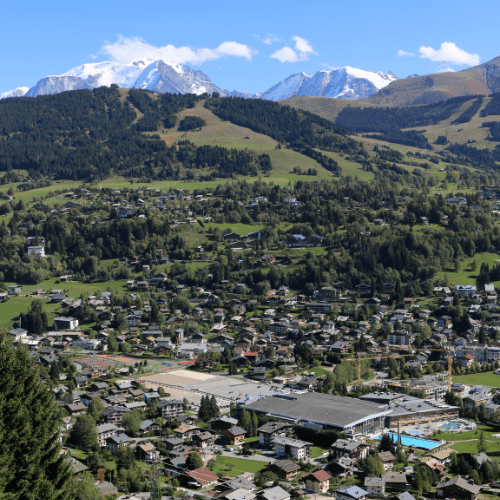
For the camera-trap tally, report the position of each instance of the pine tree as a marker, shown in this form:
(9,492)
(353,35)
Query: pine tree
(30,464)
(245,421)
(255,424)
(202,411)
(214,408)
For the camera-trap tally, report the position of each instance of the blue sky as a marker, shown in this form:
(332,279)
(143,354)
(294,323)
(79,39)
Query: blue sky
(247,46)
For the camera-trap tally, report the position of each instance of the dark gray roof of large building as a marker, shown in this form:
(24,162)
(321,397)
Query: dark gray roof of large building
(336,411)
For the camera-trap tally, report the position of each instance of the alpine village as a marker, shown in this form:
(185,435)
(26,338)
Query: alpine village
(227,298)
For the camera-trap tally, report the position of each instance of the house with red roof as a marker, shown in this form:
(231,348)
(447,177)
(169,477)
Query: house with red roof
(202,477)
(318,481)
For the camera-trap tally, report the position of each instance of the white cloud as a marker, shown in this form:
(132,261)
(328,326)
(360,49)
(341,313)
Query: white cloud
(301,53)
(403,53)
(126,50)
(269,39)
(303,45)
(449,53)
(286,54)
(327,66)
(445,70)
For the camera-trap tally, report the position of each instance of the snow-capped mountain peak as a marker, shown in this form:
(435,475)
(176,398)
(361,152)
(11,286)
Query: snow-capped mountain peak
(342,83)
(19,92)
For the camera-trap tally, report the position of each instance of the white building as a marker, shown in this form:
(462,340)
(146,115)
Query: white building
(37,251)
(297,449)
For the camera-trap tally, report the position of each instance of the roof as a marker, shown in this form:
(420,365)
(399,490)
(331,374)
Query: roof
(395,477)
(386,456)
(275,493)
(459,482)
(76,465)
(347,444)
(335,411)
(106,428)
(374,481)
(240,494)
(321,475)
(404,496)
(352,491)
(147,447)
(291,442)
(286,465)
(203,476)
(236,431)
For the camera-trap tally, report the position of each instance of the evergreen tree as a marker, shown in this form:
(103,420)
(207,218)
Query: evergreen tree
(30,464)
(255,424)
(194,461)
(214,408)
(84,432)
(95,408)
(203,413)
(481,444)
(245,421)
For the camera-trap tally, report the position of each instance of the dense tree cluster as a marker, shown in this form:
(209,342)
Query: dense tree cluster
(493,107)
(283,123)
(467,115)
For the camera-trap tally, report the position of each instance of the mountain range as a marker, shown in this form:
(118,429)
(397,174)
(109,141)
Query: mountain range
(159,76)
(345,83)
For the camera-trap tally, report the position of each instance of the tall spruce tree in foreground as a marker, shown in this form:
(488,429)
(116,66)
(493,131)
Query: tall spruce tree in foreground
(31,467)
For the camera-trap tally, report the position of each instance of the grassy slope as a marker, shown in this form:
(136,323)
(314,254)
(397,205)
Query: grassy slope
(486,378)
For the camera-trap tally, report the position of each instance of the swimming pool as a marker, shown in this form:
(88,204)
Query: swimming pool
(414,431)
(413,441)
(450,426)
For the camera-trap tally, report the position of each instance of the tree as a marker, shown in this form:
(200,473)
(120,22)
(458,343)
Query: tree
(85,489)
(387,444)
(481,444)
(84,432)
(374,467)
(30,464)
(95,408)
(131,422)
(194,461)
(214,408)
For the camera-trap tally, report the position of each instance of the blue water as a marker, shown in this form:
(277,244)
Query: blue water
(450,425)
(413,441)
(414,431)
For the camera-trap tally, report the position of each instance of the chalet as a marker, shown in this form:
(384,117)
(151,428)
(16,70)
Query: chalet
(271,430)
(222,423)
(268,259)
(146,451)
(375,486)
(351,448)
(203,439)
(318,481)
(351,493)
(113,443)
(149,426)
(202,478)
(284,469)
(170,408)
(387,459)
(105,431)
(186,431)
(395,480)
(235,435)
(295,448)
(458,487)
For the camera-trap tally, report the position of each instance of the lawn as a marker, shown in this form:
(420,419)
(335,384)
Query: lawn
(11,309)
(485,378)
(235,466)
(466,276)
(316,451)
(471,447)
(487,430)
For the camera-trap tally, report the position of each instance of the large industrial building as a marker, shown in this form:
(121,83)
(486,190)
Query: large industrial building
(313,409)
(350,415)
